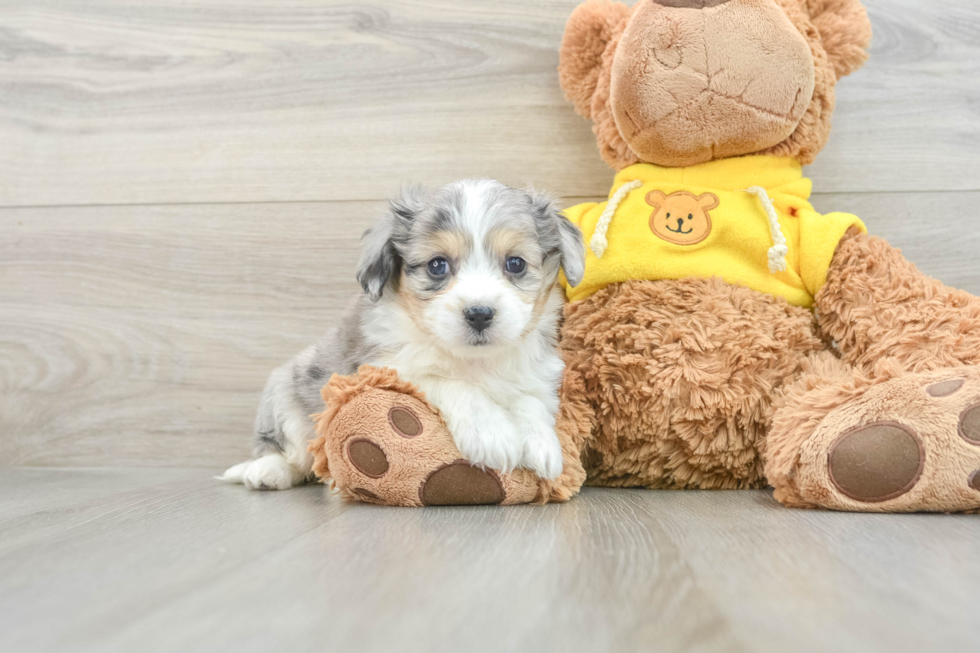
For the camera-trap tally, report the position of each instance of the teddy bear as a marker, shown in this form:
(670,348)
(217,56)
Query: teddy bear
(725,334)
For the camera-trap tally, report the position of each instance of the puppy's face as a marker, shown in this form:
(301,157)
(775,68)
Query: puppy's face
(472,264)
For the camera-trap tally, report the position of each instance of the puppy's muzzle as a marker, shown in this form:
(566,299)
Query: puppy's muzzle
(479,317)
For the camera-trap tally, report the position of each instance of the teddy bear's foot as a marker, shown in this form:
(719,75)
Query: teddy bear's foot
(381,442)
(909,444)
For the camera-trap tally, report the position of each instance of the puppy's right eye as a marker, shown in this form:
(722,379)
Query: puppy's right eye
(438,267)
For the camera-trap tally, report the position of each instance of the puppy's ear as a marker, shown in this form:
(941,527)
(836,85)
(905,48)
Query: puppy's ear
(590,29)
(572,251)
(559,236)
(380,257)
(845,31)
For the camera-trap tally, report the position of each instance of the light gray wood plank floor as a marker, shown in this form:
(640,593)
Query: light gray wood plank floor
(182,188)
(169,560)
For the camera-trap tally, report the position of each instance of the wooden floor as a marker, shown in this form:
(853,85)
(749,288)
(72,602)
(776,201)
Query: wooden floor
(182,188)
(167,560)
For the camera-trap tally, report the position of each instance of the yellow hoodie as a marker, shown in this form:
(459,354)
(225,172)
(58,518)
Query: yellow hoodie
(747,220)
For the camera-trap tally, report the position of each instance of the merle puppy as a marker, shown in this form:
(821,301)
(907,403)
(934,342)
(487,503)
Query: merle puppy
(461,298)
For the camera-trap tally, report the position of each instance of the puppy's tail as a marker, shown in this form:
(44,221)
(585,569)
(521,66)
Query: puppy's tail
(234,475)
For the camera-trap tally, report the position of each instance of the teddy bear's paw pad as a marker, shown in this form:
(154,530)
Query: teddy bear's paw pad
(970,425)
(366,495)
(367,457)
(404,422)
(461,484)
(974,481)
(877,462)
(945,388)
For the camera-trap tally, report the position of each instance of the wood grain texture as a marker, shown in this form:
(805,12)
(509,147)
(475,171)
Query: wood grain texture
(163,101)
(158,560)
(134,333)
(210,167)
(143,335)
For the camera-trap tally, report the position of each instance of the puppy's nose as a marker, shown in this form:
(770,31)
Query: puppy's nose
(690,4)
(479,317)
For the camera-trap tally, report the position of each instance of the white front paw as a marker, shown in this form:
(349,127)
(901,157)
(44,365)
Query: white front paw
(270,472)
(542,452)
(488,439)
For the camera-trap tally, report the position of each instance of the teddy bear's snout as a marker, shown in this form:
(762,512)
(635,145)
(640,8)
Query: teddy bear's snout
(732,78)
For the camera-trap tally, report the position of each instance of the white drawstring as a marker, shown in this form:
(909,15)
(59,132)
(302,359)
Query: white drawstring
(599,243)
(779,250)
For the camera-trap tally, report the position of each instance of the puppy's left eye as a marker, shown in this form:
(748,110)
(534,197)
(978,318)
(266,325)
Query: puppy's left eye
(516,265)
(438,267)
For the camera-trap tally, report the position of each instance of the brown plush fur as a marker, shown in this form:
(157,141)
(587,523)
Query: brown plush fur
(691,86)
(837,32)
(682,375)
(701,384)
(696,383)
(593,25)
(845,32)
(834,407)
(588,47)
(880,308)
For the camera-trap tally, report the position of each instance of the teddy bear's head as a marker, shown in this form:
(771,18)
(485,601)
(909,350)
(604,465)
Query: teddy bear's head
(681,82)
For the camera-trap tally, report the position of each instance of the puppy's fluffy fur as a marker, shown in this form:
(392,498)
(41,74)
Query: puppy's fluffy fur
(460,297)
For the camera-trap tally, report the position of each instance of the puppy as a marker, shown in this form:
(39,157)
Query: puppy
(461,298)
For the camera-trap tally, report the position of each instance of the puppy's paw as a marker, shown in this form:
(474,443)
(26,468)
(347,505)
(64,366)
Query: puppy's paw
(487,438)
(542,452)
(270,472)
(236,474)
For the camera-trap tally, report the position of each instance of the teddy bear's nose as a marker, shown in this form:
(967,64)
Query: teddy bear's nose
(690,4)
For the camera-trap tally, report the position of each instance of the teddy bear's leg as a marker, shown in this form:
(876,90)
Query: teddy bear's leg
(381,442)
(894,425)
(881,310)
(903,443)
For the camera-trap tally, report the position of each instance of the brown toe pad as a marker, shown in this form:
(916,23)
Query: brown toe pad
(877,462)
(366,494)
(461,484)
(975,480)
(368,458)
(404,422)
(970,425)
(945,388)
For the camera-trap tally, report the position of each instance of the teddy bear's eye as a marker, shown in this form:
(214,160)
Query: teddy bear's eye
(668,216)
(690,216)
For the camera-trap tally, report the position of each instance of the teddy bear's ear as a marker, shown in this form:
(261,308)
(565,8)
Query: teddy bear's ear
(709,201)
(845,31)
(592,26)
(656,199)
